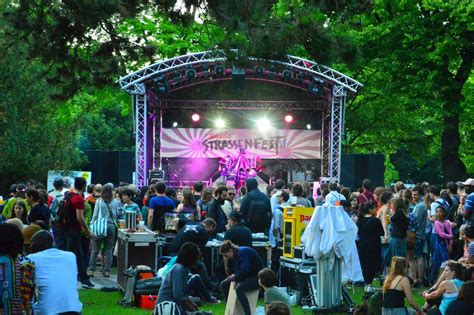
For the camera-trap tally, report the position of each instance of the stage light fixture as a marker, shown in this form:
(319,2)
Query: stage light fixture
(259,71)
(264,124)
(175,124)
(190,73)
(289,118)
(160,85)
(219,69)
(287,75)
(308,126)
(195,117)
(220,123)
(317,86)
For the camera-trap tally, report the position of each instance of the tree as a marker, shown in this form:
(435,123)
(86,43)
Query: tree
(425,50)
(33,139)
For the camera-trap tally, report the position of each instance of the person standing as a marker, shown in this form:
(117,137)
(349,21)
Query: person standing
(70,226)
(56,194)
(55,277)
(298,198)
(157,207)
(256,208)
(197,190)
(469,201)
(279,186)
(334,198)
(399,220)
(366,195)
(421,213)
(39,211)
(108,208)
(214,209)
(369,246)
(189,206)
(444,235)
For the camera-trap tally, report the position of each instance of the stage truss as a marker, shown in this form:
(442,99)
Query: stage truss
(150,111)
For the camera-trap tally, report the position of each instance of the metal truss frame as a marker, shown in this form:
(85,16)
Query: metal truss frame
(333,116)
(140,105)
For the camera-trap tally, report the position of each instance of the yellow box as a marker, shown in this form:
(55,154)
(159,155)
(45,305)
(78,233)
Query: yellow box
(295,220)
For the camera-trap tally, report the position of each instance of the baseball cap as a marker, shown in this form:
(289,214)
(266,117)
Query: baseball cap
(469,182)
(235,215)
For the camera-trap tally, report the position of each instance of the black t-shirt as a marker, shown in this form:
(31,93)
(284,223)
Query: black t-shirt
(458,307)
(240,235)
(39,212)
(400,224)
(193,232)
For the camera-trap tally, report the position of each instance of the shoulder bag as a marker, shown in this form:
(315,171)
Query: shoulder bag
(99,226)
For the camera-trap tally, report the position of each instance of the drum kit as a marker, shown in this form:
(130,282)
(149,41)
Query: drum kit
(238,168)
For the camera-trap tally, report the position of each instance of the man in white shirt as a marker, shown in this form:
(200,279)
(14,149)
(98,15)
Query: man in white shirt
(55,277)
(334,198)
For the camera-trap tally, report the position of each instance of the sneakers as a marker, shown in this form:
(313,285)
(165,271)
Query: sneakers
(213,300)
(87,284)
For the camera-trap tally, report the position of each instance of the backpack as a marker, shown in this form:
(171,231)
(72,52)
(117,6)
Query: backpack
(375,302)
(55,204)
(258,215)
(64,215)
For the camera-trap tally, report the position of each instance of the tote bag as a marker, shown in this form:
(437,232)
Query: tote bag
(99,226)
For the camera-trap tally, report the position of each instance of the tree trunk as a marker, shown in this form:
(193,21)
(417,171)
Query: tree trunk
(452,165)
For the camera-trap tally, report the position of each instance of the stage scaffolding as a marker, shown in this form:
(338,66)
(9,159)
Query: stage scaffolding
(148,106)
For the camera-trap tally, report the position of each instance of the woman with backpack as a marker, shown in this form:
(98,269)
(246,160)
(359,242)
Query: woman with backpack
(443,230)
(105,207)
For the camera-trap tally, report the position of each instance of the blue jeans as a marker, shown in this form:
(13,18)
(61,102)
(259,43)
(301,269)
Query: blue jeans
(196,287)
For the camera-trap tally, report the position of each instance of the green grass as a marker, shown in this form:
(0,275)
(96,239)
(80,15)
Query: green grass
(103,303)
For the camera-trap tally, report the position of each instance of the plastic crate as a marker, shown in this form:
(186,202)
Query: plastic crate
(146,302)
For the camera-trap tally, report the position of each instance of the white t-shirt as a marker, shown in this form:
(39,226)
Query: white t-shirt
(56,282)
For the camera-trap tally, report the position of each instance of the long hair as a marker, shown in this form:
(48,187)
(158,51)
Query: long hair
(22,204)
(107,193)
(188,199)
(398,204)
(397,268)
(207,195)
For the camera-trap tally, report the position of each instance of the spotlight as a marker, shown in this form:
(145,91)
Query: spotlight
(190,73)
(317,86)
(289,118)
(308,126)
(259,71)
(175,124)
(263,124)
(160,85)
(287,75)
(220,123)
(219,69)
(195,117)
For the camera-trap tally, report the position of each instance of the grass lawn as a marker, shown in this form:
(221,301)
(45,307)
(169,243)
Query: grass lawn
(103,303)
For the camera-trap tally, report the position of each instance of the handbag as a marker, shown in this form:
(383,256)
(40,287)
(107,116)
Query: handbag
(99,226)
(148,286)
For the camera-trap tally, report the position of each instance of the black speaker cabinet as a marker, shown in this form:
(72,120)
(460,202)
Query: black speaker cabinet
(357,167)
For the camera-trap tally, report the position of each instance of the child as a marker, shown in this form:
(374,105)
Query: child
(268,280)
(443,230)
(129,205)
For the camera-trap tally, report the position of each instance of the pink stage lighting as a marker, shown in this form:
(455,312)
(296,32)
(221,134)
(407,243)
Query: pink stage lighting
(289,118)
(195,117)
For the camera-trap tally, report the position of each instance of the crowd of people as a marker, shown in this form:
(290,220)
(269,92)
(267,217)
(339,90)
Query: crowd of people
(408,237)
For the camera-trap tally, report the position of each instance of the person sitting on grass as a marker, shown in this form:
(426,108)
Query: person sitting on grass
(447,289)
(464,304)
(396,287)
(278,308)
(179,283)
(268,280)
(246,265)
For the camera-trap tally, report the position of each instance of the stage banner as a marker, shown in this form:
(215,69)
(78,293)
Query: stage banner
(214,143)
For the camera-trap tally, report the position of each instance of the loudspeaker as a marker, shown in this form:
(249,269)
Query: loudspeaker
(110,166)
(357,167)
